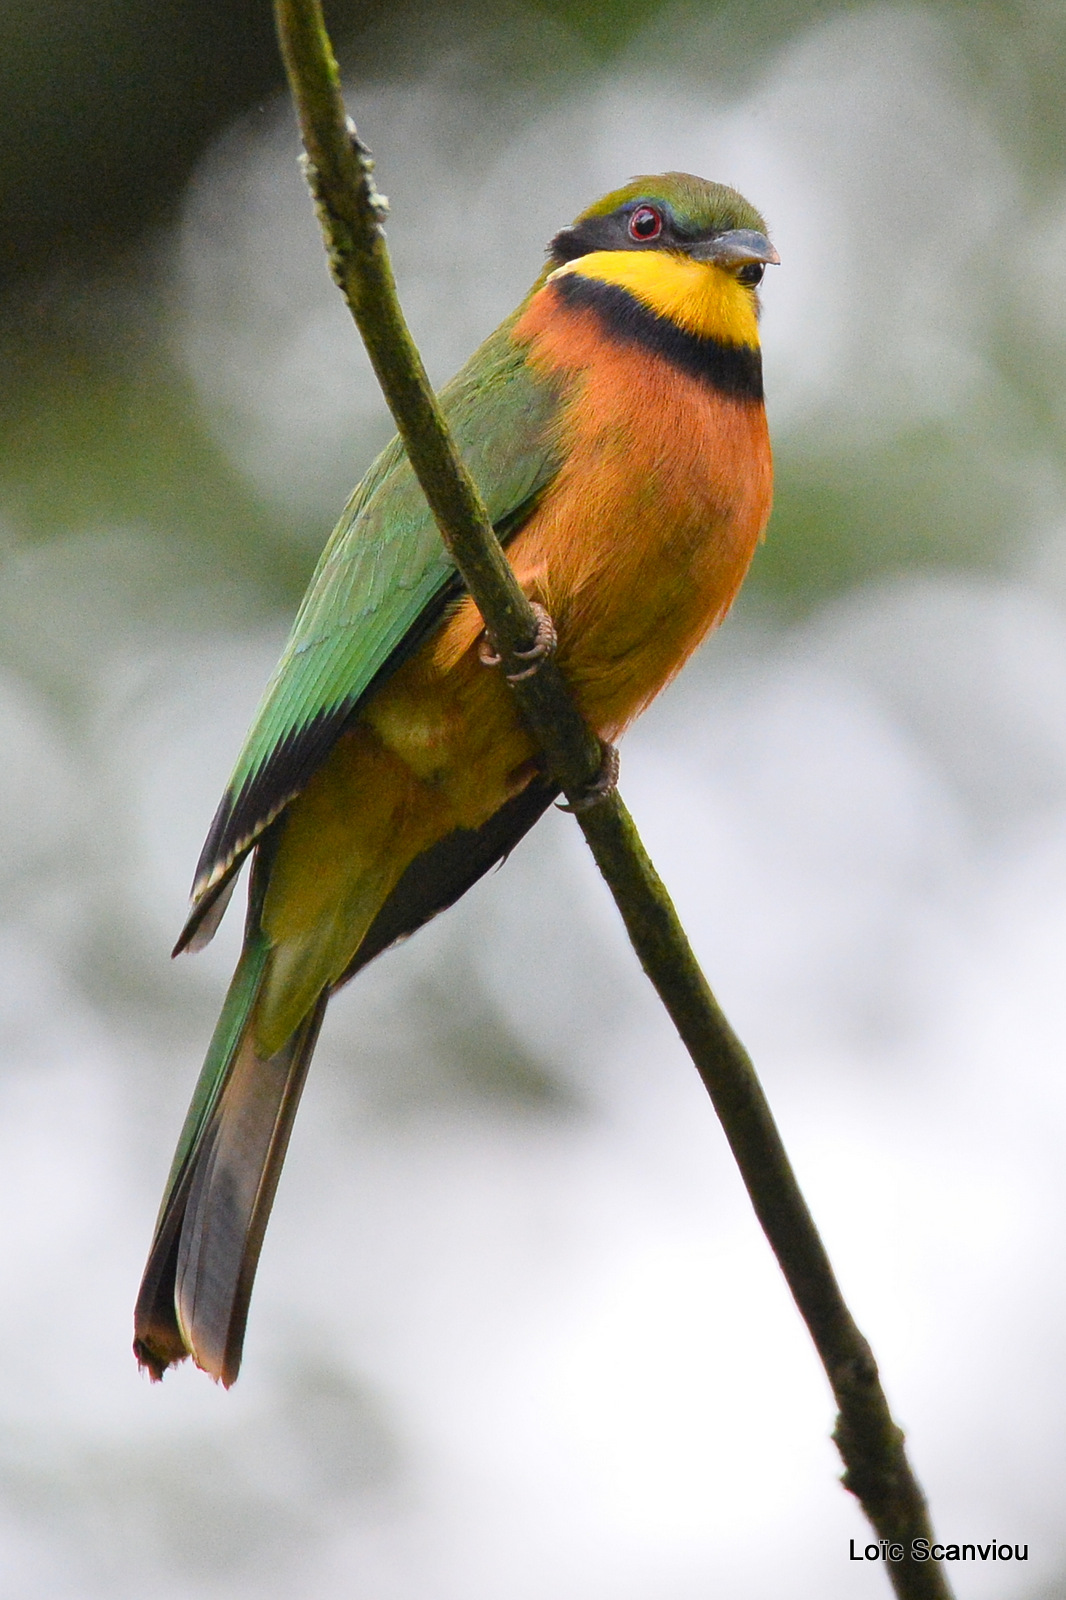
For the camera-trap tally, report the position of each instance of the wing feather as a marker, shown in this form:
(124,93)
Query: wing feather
(383,582)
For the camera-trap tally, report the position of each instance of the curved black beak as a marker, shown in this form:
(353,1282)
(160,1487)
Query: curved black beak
(735,248)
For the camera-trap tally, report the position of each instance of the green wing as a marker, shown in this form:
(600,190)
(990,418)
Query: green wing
(382,583)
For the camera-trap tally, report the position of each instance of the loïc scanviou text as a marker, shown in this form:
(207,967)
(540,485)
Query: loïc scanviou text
(926,1550)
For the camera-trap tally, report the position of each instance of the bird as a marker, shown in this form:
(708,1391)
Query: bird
(615,425)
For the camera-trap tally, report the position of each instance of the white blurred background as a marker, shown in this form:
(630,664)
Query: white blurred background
(515,1331)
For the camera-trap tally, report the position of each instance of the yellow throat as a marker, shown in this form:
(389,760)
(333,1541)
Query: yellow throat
(698,296)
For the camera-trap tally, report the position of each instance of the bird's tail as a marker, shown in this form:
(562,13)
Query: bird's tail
(195,1290)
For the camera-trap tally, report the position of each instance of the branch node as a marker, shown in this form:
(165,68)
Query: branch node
(377,203)
(336,235)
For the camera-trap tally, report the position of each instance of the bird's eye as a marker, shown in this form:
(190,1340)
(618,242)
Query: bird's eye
(751,273)
(645,224)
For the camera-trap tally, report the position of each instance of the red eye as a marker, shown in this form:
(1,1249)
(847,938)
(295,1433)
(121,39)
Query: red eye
(645,224)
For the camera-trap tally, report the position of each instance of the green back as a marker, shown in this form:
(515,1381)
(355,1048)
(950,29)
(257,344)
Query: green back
(381,571)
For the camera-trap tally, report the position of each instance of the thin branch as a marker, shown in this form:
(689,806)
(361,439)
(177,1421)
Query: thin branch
(351,214)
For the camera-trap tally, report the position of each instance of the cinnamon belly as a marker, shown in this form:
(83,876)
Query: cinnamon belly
(636,550)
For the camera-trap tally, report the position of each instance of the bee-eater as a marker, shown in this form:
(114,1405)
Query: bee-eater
(615,426)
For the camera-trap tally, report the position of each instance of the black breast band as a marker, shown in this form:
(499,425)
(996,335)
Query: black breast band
(733,369)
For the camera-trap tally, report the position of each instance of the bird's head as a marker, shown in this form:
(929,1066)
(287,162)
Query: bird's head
(692,251)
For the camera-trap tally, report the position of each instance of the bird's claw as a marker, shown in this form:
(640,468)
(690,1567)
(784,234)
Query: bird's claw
(603,784)
(544,642)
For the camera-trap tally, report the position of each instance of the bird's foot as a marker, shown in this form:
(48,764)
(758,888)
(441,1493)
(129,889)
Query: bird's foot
(603,784)
(544,642)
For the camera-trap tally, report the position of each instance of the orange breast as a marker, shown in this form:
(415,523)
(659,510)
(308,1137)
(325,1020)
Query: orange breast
(642,541)
(636,550)
(654,518)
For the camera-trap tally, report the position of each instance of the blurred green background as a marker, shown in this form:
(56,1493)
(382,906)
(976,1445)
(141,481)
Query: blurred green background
(105,112)
(515,1331)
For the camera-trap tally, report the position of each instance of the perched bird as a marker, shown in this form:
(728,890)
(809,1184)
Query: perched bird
(615,426)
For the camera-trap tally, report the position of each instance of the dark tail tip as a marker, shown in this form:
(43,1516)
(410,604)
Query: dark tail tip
(153,1361)
(157,1337)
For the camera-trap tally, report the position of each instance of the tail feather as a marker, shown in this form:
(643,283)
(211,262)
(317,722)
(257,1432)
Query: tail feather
(194,1294)
(158,1341)
(158,1337)
(230,1195)
(196,1287)
(198,1281)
